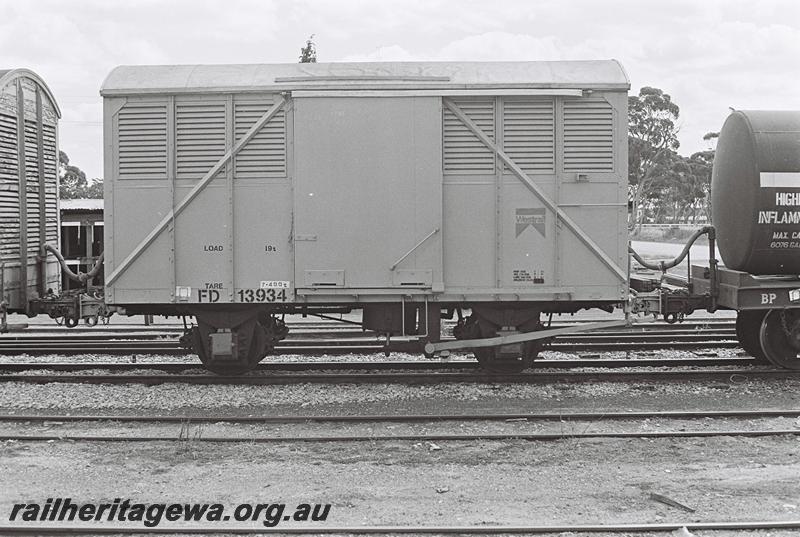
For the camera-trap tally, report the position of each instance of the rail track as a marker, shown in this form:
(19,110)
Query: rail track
(423,377)
(506,427)
(405,418)
(516,425)
(384,365)
(331,339)
(351,326)
(728,370)
(422,437)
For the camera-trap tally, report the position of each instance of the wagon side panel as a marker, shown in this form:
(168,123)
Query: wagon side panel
(535,198)
(138,193)
(594,194)
(198,208)
(368,201)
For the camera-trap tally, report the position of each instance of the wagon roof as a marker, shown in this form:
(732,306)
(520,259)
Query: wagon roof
(9,75)
(595,74)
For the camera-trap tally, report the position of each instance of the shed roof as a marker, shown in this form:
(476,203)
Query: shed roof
(595,74)
(81,204)
(7,76)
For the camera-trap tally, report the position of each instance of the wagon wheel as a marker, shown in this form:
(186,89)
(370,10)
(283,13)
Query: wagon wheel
(780,338)
(249,336)
(748,329)
(489,362)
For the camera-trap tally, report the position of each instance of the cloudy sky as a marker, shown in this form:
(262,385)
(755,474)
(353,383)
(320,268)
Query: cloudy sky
(708,54)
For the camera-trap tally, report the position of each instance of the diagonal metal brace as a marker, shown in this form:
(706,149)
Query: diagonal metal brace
(204,181)
(533,187)
(431,348)
(408,253)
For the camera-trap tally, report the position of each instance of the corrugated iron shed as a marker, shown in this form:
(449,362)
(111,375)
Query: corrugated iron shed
(82,204)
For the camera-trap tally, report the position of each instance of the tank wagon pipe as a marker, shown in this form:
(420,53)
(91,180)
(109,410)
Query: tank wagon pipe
(71,306)
(80,277)
(663,266)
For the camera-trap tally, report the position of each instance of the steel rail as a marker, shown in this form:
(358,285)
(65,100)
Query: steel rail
(117,529)
(360,346)
(378,418)
(423,437)
(542,377)
(355,350)
(662,341)
(337,326)
(358,334)
(613,363)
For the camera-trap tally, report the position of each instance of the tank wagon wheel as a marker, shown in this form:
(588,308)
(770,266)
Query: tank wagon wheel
(780,338)
(70,322)
(748,330)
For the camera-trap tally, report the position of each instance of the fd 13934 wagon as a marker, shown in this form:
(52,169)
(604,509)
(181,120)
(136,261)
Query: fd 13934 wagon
(493,193)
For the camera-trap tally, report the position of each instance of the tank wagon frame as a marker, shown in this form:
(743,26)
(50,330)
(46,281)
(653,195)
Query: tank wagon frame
(768,307)
(411,190)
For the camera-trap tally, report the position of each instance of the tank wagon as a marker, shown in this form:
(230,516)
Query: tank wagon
(28,190)
(755,190)
(409,191)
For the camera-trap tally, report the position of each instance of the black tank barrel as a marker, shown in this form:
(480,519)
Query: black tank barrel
(755,192)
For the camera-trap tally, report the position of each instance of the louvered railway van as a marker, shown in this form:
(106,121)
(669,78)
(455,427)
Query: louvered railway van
(28,190)
(409,191)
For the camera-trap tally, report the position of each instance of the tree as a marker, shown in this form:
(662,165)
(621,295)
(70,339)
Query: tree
(73,182)
(702,164)
(308,53)
(709,136)
(652,142)
(666,183)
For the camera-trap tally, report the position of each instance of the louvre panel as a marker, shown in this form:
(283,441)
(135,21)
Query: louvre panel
(9,218)
(9,186)
(199,137)
(51,186)
(528,134)
(8,148)
(142,141)
(31,153)
(588,136)
(464,153)
(50,157)
(265,153)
